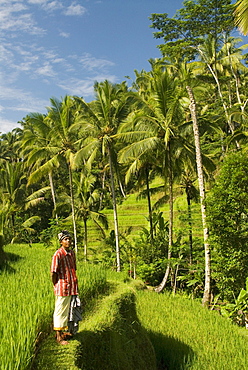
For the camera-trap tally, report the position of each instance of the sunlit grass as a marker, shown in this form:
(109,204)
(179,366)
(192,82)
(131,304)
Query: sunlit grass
(133,212)
(187,336)
(27,301)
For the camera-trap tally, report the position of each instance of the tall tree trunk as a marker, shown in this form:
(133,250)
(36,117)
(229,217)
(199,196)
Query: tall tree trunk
(118,262)
(103,187)
(175,279)
(53,194)
(2,253)
(190,229)
(242,106)
(85,240)
(162,285)
(73,209)
(149,203)
(134,269)
(2,223)
(229,122)
(206,295)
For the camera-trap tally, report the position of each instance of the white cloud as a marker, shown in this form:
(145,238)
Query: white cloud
(103,77)
(7,125)
(78,87)
(90,63)
(21,101)
(53,5)
(75,9)
(5,54)
(37,2)
(84,87)
(64,34)
(46,70)
(14,18)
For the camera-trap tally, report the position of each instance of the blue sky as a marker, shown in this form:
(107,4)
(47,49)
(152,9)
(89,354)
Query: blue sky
(50,48)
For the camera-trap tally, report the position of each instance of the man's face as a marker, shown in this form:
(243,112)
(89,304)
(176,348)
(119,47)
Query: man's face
(66,242)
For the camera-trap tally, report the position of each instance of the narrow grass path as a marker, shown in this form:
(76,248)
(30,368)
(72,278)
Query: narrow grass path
(63,357)
(110,337)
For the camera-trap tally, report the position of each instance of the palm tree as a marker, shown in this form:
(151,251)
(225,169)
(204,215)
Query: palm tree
(223,59)
(64,120)
(187,184)
(13,180)
(36,138)
(241,15)
(154,128)
(10,147)
(187,80)
(207,291)
(102,118)
(87,203)
(144,168)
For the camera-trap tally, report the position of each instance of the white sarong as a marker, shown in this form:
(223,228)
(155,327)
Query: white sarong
(61,311)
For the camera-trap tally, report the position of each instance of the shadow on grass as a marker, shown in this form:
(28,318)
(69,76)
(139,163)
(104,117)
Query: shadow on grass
(114,349)
(6,258)
(102,351)
(171,353)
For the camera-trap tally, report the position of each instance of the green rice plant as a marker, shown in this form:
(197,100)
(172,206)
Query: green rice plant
(27,301)
(92,280)
(187,336)
(26,298)
(112,338)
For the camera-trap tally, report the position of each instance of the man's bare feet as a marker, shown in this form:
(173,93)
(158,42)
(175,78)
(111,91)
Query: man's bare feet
(60,338)
(67,335)
(62,342)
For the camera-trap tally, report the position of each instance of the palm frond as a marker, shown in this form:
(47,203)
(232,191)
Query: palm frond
(43,170)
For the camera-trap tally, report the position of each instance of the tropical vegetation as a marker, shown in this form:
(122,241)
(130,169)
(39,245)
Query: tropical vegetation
(124,325)
(177,135)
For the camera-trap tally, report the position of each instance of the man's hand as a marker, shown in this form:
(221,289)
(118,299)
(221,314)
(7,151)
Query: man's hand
(54,278)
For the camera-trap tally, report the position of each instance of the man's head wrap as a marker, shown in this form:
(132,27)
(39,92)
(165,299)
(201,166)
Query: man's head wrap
(64,234)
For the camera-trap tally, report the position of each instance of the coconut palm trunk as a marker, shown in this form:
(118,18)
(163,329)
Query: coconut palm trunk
(2,254)
(162,285)
(206,295)
(85,240)
(149,203)
(117,246)
(73,209)
(53,194)
(190,229)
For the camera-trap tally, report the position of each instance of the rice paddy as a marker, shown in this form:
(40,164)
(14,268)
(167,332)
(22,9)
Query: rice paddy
(27,301)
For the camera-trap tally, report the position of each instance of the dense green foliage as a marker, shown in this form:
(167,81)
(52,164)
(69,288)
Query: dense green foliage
(183,33)
(228,212)
(77,166)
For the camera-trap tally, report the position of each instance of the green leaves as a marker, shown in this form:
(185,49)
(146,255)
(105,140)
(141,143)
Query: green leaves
(241,14)
(184,32)
(228,214)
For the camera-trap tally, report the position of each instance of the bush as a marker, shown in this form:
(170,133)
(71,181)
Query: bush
(227,216)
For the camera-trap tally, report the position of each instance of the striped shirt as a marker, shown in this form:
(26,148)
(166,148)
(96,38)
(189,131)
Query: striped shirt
(64,265)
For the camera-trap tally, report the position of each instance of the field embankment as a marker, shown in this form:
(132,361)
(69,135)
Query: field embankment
(110,337)
(122,328)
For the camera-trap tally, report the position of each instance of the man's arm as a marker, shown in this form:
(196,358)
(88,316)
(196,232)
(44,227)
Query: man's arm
(54,276)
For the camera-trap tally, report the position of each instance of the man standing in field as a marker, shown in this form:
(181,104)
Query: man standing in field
(64,278)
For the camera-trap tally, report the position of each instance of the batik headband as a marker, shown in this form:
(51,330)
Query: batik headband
(63,234)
